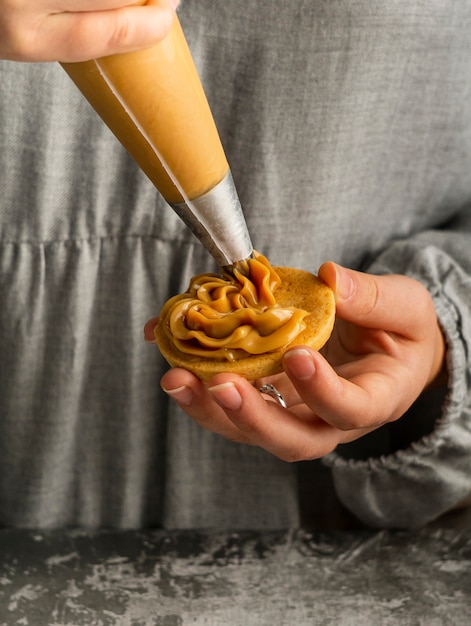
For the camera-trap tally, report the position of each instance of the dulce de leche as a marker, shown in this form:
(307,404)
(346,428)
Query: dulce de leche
(154,103)
(228,317)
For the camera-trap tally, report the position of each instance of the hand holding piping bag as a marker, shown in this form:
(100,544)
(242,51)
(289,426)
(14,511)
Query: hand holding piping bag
(78,30)
(123,56)
(153,101)
(386,348)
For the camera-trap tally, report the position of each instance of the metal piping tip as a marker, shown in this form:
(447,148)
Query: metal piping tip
(217,220)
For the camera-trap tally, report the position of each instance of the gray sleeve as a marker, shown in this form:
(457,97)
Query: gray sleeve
(411,486)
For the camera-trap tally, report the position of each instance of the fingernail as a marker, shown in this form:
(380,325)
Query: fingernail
(227,395)
(183,395)
(299,364)
(343,283)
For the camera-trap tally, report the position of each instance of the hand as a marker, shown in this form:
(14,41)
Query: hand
(78,30)
(386,347)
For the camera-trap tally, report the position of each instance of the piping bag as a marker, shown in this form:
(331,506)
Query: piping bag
(154,103)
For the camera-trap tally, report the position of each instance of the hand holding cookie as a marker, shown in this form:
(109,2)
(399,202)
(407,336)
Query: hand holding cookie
(386,347)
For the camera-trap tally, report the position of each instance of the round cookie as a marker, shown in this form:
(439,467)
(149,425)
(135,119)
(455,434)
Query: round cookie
(298,289)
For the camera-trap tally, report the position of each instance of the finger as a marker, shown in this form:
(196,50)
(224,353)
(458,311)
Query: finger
(149,329)
(192,396)
(81,6)
(83,35)
(366,396)
(89,35)
(266,424)
(392,303)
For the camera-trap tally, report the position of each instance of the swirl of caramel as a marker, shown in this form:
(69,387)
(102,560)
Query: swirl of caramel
(232,316)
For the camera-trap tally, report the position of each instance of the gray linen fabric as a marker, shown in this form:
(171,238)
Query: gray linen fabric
(348,128)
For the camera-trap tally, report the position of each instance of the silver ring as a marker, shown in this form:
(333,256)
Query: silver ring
(272,391)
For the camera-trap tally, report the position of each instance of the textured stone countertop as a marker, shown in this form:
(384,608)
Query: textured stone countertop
(293,578)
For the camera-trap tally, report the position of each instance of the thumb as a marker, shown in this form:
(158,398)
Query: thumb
(87,35)
(392,302)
